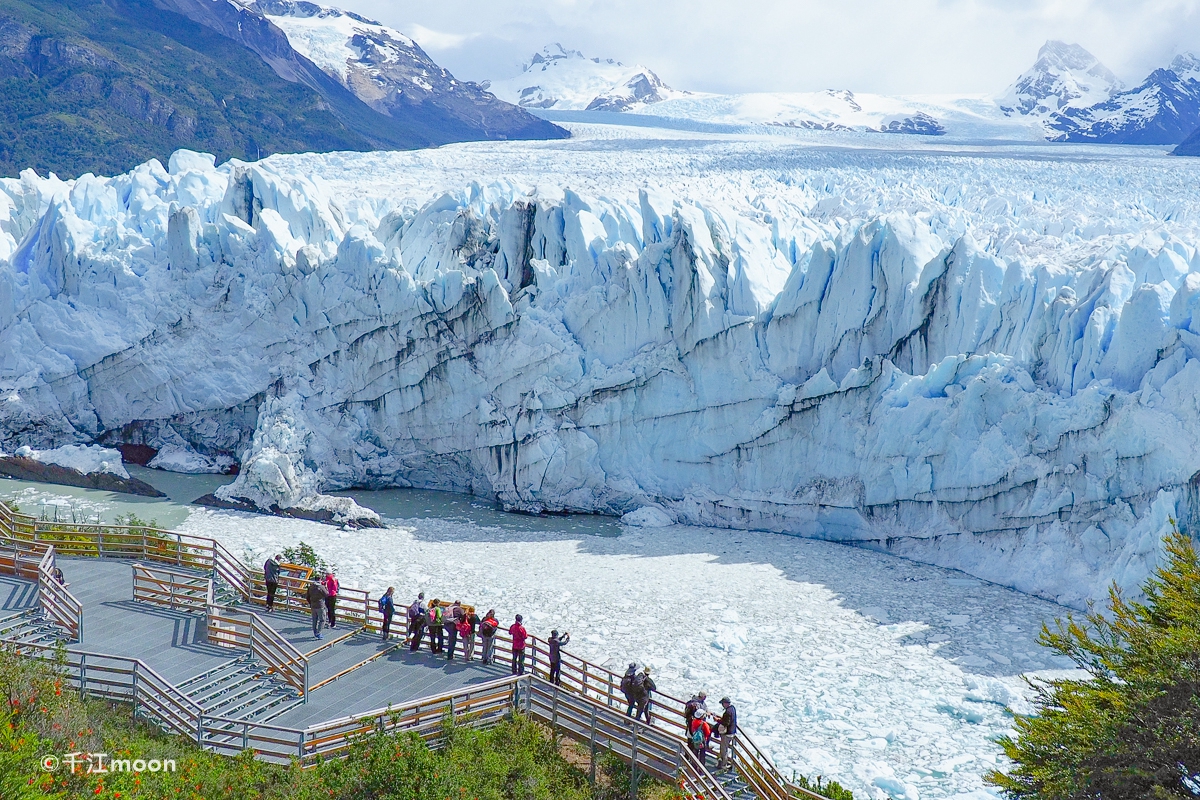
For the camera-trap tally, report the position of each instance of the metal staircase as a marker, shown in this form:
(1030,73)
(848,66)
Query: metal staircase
(242,689)
(734,786)
(31,627)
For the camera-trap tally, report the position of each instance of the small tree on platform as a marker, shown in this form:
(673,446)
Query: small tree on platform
(1132,729)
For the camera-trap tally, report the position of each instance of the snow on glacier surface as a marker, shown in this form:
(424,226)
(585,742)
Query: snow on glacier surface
(978,356)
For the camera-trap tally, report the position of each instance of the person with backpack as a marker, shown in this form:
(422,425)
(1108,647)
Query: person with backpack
(331,592)
(627,688)
(700,731)
(416,622)
(271,577)
(519,637)
(557,643)
(727,730)
(644,690)
(471,623)
(316,595)
(694,708)
(487,629)
(387,607)
(433,621)
(450,621)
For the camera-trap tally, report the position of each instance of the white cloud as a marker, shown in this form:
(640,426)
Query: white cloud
(894,46)
(434,41)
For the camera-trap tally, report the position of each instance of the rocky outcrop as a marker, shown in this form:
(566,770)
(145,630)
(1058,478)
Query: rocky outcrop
(28,469)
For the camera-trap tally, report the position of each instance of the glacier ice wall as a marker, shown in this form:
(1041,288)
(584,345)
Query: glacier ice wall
(924,383)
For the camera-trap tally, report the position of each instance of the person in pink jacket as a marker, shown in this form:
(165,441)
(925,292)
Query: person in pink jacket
(331,590)
(519,637)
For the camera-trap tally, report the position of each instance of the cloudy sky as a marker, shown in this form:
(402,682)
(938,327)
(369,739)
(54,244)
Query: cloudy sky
(889,46)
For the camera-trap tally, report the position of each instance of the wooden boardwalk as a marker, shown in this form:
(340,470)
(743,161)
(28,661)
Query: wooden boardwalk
(16,595)
(175,645)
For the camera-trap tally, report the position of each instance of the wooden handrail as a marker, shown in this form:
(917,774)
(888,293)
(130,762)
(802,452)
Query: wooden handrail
(592,681)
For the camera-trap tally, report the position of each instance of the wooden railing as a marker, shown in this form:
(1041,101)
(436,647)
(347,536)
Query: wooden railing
(696,782)
(168,588)
(245,630)
(22,536)
(126,680)
(59,605)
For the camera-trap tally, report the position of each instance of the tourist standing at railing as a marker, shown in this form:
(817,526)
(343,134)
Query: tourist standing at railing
(488,629)
(271,576)
(727,730)
(627,688)
(416,622)
(557,643)
(645,692)
(331,592)
(470,625)
(696,707)
(433,619)
(387,607)
(519,637)
(316,601)
(450,621)
(699,734)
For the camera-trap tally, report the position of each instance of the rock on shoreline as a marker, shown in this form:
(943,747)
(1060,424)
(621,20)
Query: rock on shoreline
(29,469)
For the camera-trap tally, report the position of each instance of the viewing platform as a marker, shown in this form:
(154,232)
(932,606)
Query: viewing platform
(176,627)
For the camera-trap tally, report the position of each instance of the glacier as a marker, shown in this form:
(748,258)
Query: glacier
(982,357)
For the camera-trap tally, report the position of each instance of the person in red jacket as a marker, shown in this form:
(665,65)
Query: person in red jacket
(519,637)
(331,589)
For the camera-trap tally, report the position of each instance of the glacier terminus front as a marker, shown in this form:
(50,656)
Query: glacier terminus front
(978,356)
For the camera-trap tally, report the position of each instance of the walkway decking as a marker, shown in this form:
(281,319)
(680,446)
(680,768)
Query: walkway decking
(174,644)
(16,595)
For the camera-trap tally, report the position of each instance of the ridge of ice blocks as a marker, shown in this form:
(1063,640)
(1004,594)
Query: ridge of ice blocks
(84,459)
(981,361)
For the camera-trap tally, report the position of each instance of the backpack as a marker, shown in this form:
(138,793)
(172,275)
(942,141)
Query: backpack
(435,616)
(697,737)
(627,683)
(639,684)
(488,628)
(383,604)
(414,610)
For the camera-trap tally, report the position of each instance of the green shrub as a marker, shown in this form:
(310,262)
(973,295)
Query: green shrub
(304,554)
(831,789)
(1132,729)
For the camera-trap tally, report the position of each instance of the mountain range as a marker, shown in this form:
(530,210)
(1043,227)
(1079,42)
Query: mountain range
(566,80)
(1067,95)
(102,85)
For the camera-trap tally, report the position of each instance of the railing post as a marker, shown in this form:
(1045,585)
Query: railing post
(245,736)
(300,754)
(135,688)
(592,743)
(554,710)
(633,766)
(82,675)
(144,543)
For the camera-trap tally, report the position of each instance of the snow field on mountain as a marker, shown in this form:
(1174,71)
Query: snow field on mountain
(889,676)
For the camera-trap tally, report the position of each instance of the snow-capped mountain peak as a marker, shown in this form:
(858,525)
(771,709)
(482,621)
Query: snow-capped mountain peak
(390,72)
(567,80)
(1064,76)
(1186,66)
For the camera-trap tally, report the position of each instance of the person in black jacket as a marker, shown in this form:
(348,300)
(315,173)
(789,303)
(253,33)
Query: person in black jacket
(271,576)
(727,729)
(316,595)
(557,643)
(644,690)
(387,607)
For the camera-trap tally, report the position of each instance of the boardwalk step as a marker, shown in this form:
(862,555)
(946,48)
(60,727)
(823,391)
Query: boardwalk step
(30,627)
(198,683)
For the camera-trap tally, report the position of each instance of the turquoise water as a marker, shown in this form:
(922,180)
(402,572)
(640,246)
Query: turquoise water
(69,504)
